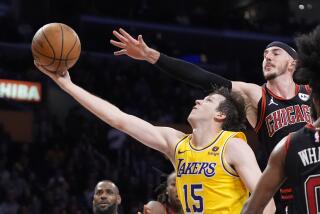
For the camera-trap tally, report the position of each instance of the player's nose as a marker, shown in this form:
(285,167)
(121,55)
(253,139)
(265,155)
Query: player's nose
(198,102)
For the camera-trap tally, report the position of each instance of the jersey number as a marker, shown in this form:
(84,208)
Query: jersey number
(194,188)
(312,187)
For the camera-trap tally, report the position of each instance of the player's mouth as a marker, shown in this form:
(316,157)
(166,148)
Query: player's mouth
(268,66)
(104,203)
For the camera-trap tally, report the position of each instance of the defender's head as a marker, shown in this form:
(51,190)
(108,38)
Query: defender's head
(278,59)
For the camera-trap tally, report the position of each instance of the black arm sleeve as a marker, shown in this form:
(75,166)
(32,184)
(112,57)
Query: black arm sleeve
(190,73)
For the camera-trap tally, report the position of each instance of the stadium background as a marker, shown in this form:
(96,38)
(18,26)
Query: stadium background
(52,151)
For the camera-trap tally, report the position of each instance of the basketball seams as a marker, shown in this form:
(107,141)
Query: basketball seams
(74,44)
(39,53)
(50,45)
(49,57)
(36,39)
(47,69)
(62,41)
(36,52)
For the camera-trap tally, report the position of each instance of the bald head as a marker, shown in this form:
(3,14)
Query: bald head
(106,182)
(155,207)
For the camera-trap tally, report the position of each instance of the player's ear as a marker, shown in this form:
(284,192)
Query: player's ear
(293,65)
(220,115)
(118,199)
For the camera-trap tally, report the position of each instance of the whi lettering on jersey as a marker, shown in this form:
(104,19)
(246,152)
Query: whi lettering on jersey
(310,156)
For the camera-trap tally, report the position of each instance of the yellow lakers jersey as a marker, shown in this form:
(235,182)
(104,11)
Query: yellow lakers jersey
(205,182)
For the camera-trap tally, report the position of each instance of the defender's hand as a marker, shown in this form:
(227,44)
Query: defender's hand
(134,48)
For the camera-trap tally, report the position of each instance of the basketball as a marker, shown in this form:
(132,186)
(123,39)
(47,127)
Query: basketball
(56,47)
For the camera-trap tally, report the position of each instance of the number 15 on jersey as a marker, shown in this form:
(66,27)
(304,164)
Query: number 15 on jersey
(193,201)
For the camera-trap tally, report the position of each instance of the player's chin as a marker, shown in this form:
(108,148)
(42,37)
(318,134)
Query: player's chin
(193,112)
(191,117)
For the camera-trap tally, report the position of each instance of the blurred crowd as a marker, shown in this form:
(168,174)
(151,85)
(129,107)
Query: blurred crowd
(22,18)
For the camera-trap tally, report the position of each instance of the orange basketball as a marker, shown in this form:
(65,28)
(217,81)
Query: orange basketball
(56,47)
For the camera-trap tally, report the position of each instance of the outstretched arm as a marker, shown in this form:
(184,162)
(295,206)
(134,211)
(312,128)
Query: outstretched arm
(270,181)
(179,69)
(159,138)
(187,72)
(241,157)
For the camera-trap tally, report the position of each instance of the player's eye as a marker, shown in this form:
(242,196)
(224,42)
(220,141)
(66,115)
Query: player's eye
(110,192)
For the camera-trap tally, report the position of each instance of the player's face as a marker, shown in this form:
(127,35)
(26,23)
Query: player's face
(275,62)
(206,109)
(172,191)
(106,198)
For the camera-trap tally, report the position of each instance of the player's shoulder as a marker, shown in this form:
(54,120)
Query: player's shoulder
(230,135)
(237,141)
(172,131)
(239,85)
(251,92)
(236,144)
(238,151)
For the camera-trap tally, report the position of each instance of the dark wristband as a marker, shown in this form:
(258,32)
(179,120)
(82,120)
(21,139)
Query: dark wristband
(191,74)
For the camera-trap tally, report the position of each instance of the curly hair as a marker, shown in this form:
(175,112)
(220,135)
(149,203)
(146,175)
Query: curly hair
(309,63)
(308,68)
(162,197)
(233,107)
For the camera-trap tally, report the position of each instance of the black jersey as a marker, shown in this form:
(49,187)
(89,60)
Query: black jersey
(302,168)
(277,117)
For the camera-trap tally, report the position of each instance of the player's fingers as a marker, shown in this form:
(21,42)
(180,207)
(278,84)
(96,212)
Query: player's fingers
(37,65)
(117,44)
(42,69)
(121,52)
(120,37)
(140,39)
(63,73)
(128,36)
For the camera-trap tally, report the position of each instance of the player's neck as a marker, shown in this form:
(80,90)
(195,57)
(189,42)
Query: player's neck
(283,87)
(202,136)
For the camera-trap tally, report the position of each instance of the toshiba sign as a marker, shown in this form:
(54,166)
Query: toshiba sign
(20,90)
